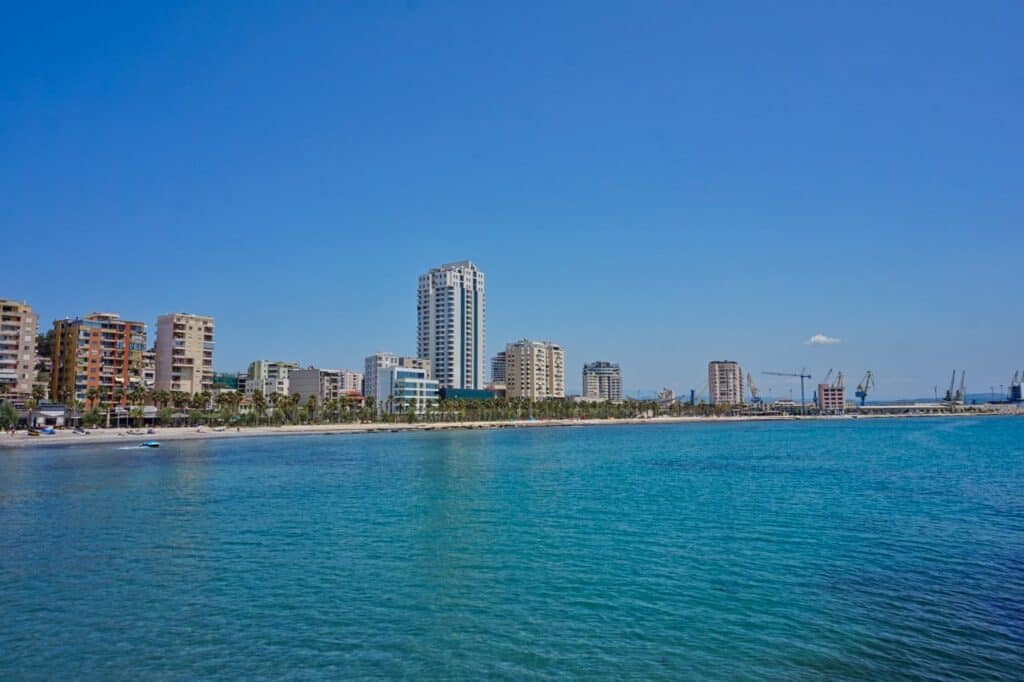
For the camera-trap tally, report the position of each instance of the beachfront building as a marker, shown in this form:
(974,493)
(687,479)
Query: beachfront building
(97,359)
(184,353)
(534,370)
(725,382)
(18,329)
(404,389)
(269,377)
(384,361)
(450,324)
(324,384)
(602,381)
(149,369)
(831,399)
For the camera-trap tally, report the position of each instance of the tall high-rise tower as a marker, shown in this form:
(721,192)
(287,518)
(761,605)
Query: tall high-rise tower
(450,328)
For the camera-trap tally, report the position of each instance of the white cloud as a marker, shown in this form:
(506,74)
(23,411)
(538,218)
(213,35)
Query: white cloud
(822,340)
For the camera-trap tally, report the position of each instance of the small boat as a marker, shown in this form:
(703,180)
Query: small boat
(80,431)
(151,444)
(33,432)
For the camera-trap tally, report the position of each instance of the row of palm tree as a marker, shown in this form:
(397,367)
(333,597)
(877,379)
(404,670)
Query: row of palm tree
(257,409)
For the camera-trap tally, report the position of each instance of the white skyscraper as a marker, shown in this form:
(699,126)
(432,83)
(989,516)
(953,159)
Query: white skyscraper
(450,329)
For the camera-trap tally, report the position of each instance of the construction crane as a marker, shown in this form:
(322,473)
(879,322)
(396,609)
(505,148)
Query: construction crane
(865,385)
(803,375)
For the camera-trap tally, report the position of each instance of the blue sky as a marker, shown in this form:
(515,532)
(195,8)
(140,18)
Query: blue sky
(658,184)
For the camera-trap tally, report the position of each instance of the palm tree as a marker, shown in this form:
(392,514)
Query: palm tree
(259,406)
(137,395)
(92,397)
(161,397)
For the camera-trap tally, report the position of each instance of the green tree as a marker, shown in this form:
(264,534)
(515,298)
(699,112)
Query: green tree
(8,415)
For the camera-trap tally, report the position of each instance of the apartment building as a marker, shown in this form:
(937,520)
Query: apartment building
(325,384)
(401,389)
(184,352)
(602,381)
(725,382)
(18,329)
(269,377)
(451,324)
(384,361)
(534,370)
(98,351)
(149,368)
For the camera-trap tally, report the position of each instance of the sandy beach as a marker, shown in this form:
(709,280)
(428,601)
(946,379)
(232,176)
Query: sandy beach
(66,437)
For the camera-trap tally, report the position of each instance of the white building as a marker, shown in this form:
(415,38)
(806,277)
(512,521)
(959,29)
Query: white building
(400,389)
(725,382)
(268,377)
(602,381)
(384,361)
(534,370)
(451,324)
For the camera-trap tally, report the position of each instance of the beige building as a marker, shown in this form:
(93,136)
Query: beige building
(18,329)
(325,384)
(534,370)
(184,353)
(725,382)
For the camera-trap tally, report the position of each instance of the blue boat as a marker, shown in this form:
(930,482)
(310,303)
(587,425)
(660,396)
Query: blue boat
(151,444)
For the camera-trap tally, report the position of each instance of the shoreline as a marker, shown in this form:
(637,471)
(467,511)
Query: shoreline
(65,437)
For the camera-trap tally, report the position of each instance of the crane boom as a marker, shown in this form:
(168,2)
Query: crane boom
(802,375)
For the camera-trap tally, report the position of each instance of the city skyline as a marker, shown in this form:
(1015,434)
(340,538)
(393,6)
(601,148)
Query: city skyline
(718,184)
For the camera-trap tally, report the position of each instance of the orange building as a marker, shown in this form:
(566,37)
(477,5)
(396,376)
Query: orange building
(99,351)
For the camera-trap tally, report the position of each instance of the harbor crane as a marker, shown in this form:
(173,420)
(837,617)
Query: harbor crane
(838,383)
(865,385)
(949,391)
(953,394)
(802,375)
(755,398)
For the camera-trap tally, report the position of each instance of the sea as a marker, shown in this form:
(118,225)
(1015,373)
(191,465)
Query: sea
(810,550)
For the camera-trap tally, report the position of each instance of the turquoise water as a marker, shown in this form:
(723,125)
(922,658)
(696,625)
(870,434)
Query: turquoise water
(867,550)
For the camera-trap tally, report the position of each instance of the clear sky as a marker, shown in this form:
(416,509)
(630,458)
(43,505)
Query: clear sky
(658,184)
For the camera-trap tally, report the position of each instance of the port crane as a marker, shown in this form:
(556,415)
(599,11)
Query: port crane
(802,375)
(865,385)
(755,398)
(838,383)
(954,395)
